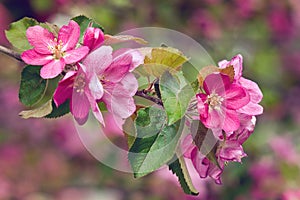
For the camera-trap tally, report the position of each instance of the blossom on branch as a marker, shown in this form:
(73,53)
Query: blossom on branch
(53,53)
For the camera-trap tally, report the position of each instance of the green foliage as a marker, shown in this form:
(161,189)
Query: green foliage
(178,167)
(16,34)
(160,60)
(32,87)
(176,95)
(155,142)
(59,111)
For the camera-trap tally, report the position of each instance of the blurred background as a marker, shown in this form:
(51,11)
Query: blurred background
(43,159)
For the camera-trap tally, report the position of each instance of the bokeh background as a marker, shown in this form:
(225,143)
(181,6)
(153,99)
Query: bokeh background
(43,159)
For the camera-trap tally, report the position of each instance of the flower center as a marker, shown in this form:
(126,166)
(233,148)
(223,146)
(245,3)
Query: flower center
(214,100)
(57,49)
(79,84)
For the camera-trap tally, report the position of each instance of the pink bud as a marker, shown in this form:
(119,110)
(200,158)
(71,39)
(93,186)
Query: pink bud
(93,38)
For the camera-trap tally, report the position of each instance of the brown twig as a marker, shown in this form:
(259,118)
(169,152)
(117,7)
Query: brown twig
(11,53)
(153,99)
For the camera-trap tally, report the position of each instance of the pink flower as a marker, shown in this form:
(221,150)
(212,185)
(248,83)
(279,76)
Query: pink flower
(93,38)
(51,52)
(201,163)
(104,76)
(217,106)
(252,108)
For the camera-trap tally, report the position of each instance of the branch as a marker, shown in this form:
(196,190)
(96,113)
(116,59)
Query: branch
(153,99)
(11,53)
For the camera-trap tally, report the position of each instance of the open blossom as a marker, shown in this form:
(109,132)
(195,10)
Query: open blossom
(217,106)
(103,76)
(252,108)
(51,52)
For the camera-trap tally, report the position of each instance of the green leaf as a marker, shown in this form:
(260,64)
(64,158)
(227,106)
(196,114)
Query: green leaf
(16,34)
(176,95)
(33,86)
(178,167)
(159,60)
(59,111)
(37,112)
(155,142)
(84,22)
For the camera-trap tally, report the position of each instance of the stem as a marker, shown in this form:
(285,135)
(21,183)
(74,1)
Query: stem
(153,99)
(11,53)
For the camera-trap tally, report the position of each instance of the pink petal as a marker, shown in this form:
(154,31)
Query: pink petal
(94,106)
(236,97)
(76,55)
(52,69)
(216,83)
(137,56)
(253,90)
(80,106)
(96,88)
(130,84)
(200,163)
(201,105)
(251,109)
(236,62)
(93,38)
(119,102)
(232,151)
(64,89)
(98,60)
(69,35)
(187,146)
(40,38)
(118,68)
(231,121)
(33,58)
(214,119)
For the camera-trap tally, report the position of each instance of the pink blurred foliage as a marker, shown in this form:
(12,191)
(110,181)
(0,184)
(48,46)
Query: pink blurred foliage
(205,23)
(284,148)
(292,194)
(280,21)
(5,19)
(267,180)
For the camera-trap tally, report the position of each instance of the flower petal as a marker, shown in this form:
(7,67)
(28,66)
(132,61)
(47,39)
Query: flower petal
(236,62)
(40,38)
(69,35)
(119,102)
(118,68)
(130,84)
(96,88)
(52,69)
(94,106)
(251,109)
(187,146)
(80,106)
(236,97)
(76,55)
(200,163)
(64,89)
(98,60)
(253,90)
(216,83)
(34,58)
(231,121)
(232,151)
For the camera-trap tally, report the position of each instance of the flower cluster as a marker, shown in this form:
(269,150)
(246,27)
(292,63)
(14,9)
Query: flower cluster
(227,106)
(93,72)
